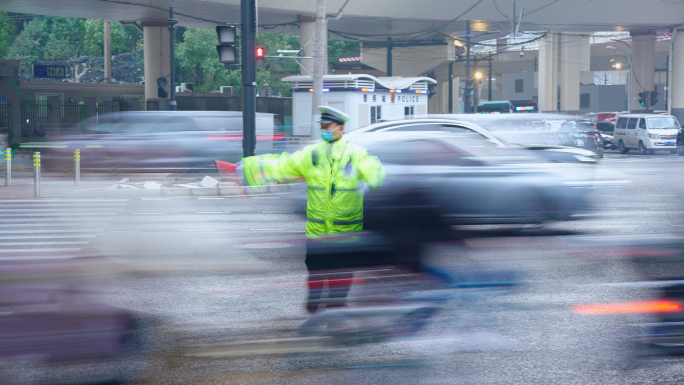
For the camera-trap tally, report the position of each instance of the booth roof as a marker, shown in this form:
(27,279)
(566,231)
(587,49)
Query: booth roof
(389,82)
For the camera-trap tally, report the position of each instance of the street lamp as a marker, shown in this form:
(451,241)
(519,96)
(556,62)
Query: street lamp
(468,36)
(629,76)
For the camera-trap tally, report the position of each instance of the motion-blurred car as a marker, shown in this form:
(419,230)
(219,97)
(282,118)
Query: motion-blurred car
(159,141)
(525,138)
(472,183)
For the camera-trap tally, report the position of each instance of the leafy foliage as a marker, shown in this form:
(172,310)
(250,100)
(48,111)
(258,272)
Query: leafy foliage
(123,39)
(6,34)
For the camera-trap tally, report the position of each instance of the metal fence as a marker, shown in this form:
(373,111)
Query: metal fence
(71,120)
(4,118)
(34,118)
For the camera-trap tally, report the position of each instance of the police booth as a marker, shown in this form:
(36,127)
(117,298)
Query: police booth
(366,99)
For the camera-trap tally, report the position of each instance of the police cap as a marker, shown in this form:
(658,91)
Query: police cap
(332,115)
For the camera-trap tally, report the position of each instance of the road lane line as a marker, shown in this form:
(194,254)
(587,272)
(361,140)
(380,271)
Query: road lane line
(44,231)
(49,236)
(148,213)
(51,250)
(213,212)
(52,225)
(44,243)
(209,198)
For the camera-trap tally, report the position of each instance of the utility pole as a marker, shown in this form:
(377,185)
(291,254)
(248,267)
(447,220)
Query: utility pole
(489,78)
(318,64)
(107,51)
(468,36)
(248,20)
(172,75)
(389,56)
(467,74)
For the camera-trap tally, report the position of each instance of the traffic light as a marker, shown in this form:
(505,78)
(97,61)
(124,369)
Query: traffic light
(643,97)
(260,56)
(654,98)
(227,48)
(162,87)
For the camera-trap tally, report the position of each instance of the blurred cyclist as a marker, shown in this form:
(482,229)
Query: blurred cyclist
(335,171)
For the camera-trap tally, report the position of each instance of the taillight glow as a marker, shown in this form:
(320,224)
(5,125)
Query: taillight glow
(656,306)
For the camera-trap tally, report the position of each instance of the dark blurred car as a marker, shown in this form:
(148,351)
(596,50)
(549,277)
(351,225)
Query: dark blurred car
(159,141)
(550,152)
(680,141)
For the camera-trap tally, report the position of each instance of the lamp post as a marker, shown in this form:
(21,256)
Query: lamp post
(468,36)
(629,77)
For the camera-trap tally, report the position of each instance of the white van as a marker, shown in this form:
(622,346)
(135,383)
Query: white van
(646,133)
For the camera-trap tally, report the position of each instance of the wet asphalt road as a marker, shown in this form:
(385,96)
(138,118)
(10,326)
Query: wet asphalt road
(217,270)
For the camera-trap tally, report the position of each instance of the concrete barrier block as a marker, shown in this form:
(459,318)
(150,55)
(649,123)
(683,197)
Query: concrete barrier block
(231,190)
(176,192)
(257,189)
(132,193)
(204,191)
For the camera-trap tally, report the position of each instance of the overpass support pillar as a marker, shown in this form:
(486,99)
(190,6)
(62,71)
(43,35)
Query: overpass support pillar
(548,73)
(157,52)
(643,67)
(307,40)
(676,67)
(574,58)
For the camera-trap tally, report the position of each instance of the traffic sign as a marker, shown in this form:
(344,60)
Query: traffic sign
(49,71)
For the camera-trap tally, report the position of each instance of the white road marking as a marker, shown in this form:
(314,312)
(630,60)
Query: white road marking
(66,200)
(53,224)
(210,198)
(148,213)
(49,236)
(155,199)
(43,243)
(70,213)
(213,212)
(39,250)
(42,231)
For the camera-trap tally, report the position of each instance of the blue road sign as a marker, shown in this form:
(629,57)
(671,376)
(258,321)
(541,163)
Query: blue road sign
(49,71)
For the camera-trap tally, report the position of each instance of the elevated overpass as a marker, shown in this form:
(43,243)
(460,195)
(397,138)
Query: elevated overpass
(425,34)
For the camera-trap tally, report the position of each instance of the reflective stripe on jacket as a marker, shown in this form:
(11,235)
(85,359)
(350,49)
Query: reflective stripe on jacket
(334,173)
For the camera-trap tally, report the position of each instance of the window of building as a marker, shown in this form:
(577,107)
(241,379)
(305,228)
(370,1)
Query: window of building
(519,86)
(585,100)
(408,112)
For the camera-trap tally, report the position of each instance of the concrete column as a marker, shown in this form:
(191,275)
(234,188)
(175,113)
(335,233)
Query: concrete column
(156,50)
(570,66)
(643,66)
(548,73)
(676,87)
(307,37)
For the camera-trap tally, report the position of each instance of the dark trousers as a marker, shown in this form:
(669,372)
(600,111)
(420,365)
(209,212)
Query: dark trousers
(337,283)
(330,276)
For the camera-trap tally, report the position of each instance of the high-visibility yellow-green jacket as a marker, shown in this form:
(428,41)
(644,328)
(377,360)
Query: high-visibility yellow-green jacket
(335,174)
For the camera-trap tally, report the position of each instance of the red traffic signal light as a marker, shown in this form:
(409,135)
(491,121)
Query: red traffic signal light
(260,56)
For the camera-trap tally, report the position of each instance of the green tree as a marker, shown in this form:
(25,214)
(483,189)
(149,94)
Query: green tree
(6,34)
(123,39)
(29,45)
(342,48)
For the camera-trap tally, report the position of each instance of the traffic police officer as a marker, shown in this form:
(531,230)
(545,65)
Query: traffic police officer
(335,171)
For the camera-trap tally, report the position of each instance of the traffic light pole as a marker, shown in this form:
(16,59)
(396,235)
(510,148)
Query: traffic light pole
(467,77)
(172,75)
(248,19)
